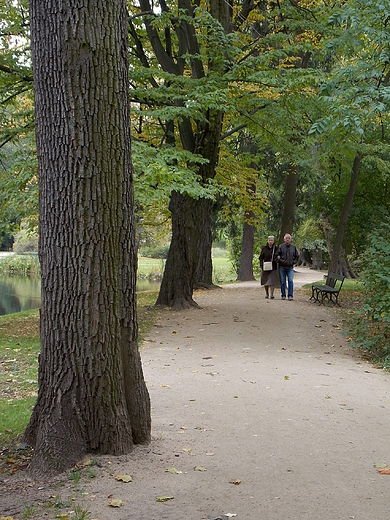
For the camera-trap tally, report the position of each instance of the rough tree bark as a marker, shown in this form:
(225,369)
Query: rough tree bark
(92,396)
(245,271)
(338,262)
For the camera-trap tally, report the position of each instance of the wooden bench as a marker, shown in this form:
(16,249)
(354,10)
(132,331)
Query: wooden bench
(329,291)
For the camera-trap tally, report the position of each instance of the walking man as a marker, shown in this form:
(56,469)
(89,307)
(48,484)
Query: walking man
(287,255)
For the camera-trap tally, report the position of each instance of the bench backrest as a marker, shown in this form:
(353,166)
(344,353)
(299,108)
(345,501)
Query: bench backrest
(332,280)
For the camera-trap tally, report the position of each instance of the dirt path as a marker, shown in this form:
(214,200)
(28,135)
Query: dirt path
(266,397)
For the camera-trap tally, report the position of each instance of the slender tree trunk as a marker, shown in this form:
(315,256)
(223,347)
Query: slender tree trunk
(92,396)
(338,241)
(289,203)
(204,270)
(245,271)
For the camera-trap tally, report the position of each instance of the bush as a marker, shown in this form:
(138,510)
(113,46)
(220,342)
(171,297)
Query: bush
(25,242)
(155,251)
(371,327)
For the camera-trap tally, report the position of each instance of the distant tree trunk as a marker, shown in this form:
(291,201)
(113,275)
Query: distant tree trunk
(304,258)
(335,265)
(204,270)
(318,262)
(289,203)
(92,396)
(245,271)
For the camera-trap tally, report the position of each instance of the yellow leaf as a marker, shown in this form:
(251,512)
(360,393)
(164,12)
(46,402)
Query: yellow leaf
(115,503)
(164,498)
(287,378)
(200,468)
(124,478)
(235,481)
(171,470)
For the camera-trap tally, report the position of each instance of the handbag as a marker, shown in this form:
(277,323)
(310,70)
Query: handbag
(267,266)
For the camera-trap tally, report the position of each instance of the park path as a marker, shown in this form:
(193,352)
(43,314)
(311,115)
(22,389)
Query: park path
(269,393)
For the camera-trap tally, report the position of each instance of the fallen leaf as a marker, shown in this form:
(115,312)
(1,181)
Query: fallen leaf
(171,470)
(165,386)
(164,498)
(384,471)
(200,468)
(209,453)
(115,503)
(380,465)
(124,478)
(187,450)
(235,481)
(287,378)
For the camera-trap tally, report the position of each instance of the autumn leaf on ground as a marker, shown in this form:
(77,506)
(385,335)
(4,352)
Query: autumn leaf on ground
(287,378)
(172,470)
(124,478)
(200,468)
(384,471)
(115,503)
(235,481)
(380,465)
(164,498)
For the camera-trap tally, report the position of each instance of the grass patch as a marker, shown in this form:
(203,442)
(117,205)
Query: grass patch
(19,349)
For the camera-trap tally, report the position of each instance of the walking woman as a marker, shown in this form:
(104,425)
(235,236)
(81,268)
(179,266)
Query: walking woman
(268,266)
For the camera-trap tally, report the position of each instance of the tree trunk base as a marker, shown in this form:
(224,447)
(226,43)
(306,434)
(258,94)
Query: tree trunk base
(207,286)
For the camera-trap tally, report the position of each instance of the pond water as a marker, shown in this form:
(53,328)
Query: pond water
(22,293)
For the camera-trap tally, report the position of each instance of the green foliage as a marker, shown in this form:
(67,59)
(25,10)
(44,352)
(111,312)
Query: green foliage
(157,251)
(372,324)
(20,264)
(26,241)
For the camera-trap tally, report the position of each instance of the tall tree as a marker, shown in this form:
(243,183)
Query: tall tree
(92,396)
(355,101)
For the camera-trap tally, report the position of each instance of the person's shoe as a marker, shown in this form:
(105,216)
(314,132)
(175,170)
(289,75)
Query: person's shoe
(266,296)
(283,297)
(272,297)
(290,298)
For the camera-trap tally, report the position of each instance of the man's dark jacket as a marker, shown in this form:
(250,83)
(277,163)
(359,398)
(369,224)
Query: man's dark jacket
(288,255)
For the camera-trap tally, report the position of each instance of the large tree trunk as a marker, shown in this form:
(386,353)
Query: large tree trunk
(92,396)
(245,271)
(335,266)
(289,203)
(190,249)
(179,275)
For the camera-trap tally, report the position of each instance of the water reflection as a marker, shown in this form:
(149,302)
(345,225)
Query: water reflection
(22,293)
(19,293)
